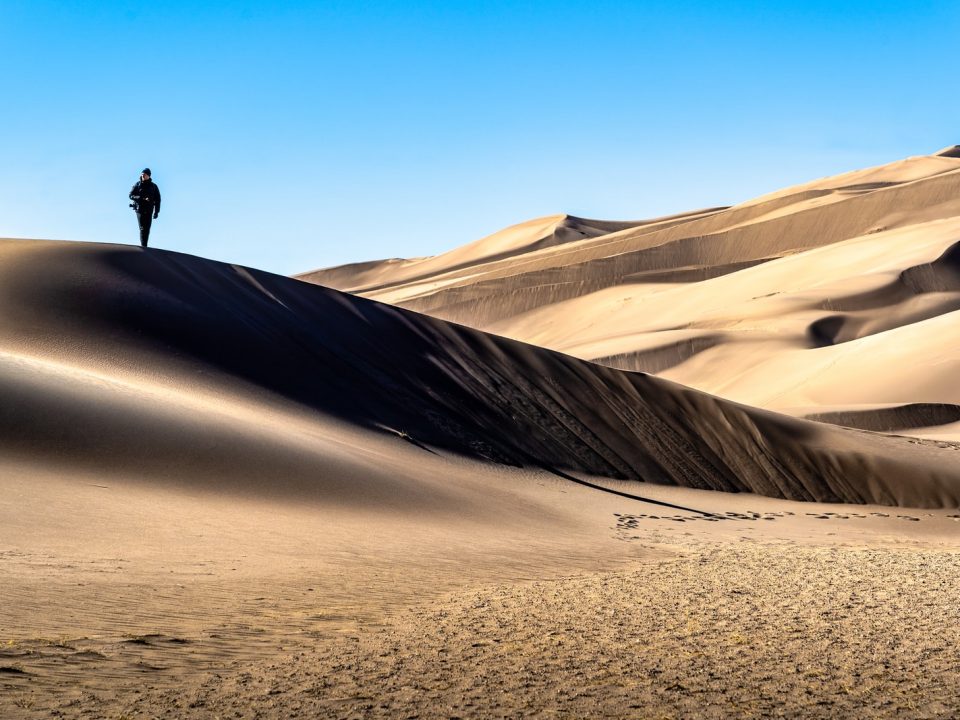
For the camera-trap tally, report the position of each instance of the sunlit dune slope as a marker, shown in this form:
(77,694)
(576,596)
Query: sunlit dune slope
(679,249)
(426,275)
(829,297)
(868,320)
(169,367)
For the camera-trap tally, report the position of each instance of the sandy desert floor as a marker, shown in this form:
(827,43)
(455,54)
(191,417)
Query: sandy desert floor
(173,605)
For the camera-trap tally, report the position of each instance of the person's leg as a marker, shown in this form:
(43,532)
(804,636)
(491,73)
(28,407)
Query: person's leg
(146,219)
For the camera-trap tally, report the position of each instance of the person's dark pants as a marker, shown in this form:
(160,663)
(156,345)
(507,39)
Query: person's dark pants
(145,218)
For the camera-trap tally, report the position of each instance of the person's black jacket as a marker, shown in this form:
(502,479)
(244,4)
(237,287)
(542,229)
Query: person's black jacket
(146,196)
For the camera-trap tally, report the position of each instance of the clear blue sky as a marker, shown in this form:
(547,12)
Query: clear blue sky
(295,135)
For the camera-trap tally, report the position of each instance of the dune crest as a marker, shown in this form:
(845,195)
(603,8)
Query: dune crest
(261,341)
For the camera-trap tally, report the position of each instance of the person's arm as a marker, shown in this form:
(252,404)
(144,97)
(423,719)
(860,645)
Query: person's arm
(135,191)
(156,207)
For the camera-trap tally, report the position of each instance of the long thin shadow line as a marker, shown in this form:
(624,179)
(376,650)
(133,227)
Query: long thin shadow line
(571,478)
(578,481)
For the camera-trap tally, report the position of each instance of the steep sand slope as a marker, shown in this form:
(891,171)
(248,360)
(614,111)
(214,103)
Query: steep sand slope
(163,365)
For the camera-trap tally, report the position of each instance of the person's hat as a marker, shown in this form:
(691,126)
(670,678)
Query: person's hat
(145,171)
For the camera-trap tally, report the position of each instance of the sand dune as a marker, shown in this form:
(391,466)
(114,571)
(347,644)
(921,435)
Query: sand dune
(537,234)
(790,221)
(179,323)
(773,302)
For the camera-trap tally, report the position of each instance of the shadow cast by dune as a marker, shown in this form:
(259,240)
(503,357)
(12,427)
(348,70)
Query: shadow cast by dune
(856,315)
(658,359)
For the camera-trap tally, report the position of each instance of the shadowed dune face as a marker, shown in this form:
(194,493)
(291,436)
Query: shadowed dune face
(662,357)
(773,302)
(892,419)
(105,347)
(942,275)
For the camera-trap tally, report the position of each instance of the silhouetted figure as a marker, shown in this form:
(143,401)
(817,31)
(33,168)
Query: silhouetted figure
(146,203)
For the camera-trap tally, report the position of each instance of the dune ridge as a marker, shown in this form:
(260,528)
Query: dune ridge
(175,319)
(952,151)
(525,237)
(744,234)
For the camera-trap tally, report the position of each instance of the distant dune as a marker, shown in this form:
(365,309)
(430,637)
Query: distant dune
(824,299)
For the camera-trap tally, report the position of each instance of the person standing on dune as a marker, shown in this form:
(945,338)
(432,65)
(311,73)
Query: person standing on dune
(146,203)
